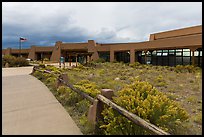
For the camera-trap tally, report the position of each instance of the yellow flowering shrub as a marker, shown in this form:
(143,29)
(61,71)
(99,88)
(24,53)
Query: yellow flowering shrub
(88,87)
(144,100)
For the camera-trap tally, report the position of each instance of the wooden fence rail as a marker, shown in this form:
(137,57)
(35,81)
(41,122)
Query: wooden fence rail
(97,107)
(132,117)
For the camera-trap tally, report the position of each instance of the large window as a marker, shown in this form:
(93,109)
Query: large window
(123,56)
(173,57)
(104,55)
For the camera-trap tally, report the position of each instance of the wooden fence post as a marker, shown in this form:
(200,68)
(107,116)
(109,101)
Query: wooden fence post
(94,113)
(108,93)
(62,77)
(34,69)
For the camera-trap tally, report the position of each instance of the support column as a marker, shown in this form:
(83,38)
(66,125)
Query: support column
(41,55)
(136,56)
(76,60)
(86,59)
(70,60)
(112,58)
(193,57)
(132,56)
(145,56)
(89,58)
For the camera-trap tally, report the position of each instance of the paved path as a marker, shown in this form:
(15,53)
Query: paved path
(30,108)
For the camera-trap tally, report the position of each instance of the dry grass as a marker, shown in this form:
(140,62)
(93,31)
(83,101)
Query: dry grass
(185,87)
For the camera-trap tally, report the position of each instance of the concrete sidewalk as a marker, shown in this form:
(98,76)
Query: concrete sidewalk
(30,108)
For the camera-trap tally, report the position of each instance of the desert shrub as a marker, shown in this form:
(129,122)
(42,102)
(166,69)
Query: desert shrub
(62,90)
(53,69)
(20,61)
(87,127)
(83,106)
(80,66)
(142,99)
(67,96)
(51,82)
(185,68)
(134,64)
(39,75)
(41,65)
(91,64)
(100,60)
(88,87)
(9,59)
(198,118)
(46,59)
(160,81)
(115,61)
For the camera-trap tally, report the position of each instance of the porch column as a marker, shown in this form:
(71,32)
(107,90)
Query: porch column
(112,56)
(145,51)
(193,57)
(70,60)
(76,59)
(89,58)
(132,56)
(86,59)
(41,56)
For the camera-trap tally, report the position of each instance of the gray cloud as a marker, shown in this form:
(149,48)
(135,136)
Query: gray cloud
(45,23)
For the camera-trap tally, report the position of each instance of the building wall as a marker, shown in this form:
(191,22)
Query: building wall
(190,38)
(177,33)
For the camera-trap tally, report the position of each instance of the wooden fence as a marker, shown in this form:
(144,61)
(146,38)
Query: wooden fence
(95,110)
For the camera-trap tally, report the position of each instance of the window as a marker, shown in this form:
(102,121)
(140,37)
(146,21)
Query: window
(159,54)
(196,53)
(154,52)
(186,49)
(165,50)
(171,52)
(186,53)
(178,49)
(186,60)
(178,60)
(178,53)
(104,55)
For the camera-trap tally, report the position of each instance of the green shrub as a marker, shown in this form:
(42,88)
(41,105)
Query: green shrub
(86,126)
(13,61)
(20,61)
(100,60)
(39,75)
(53,69)
(83,106)
(67,96)
(142,99)
(51,82)
(10,60)
(42,65)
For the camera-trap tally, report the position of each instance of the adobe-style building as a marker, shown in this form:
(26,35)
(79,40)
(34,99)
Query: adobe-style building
(174,47)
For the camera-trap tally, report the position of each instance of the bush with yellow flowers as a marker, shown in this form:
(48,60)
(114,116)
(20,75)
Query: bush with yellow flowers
(88,87)
(145,101)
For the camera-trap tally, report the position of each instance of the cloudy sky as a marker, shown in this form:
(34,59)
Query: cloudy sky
(45,23)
